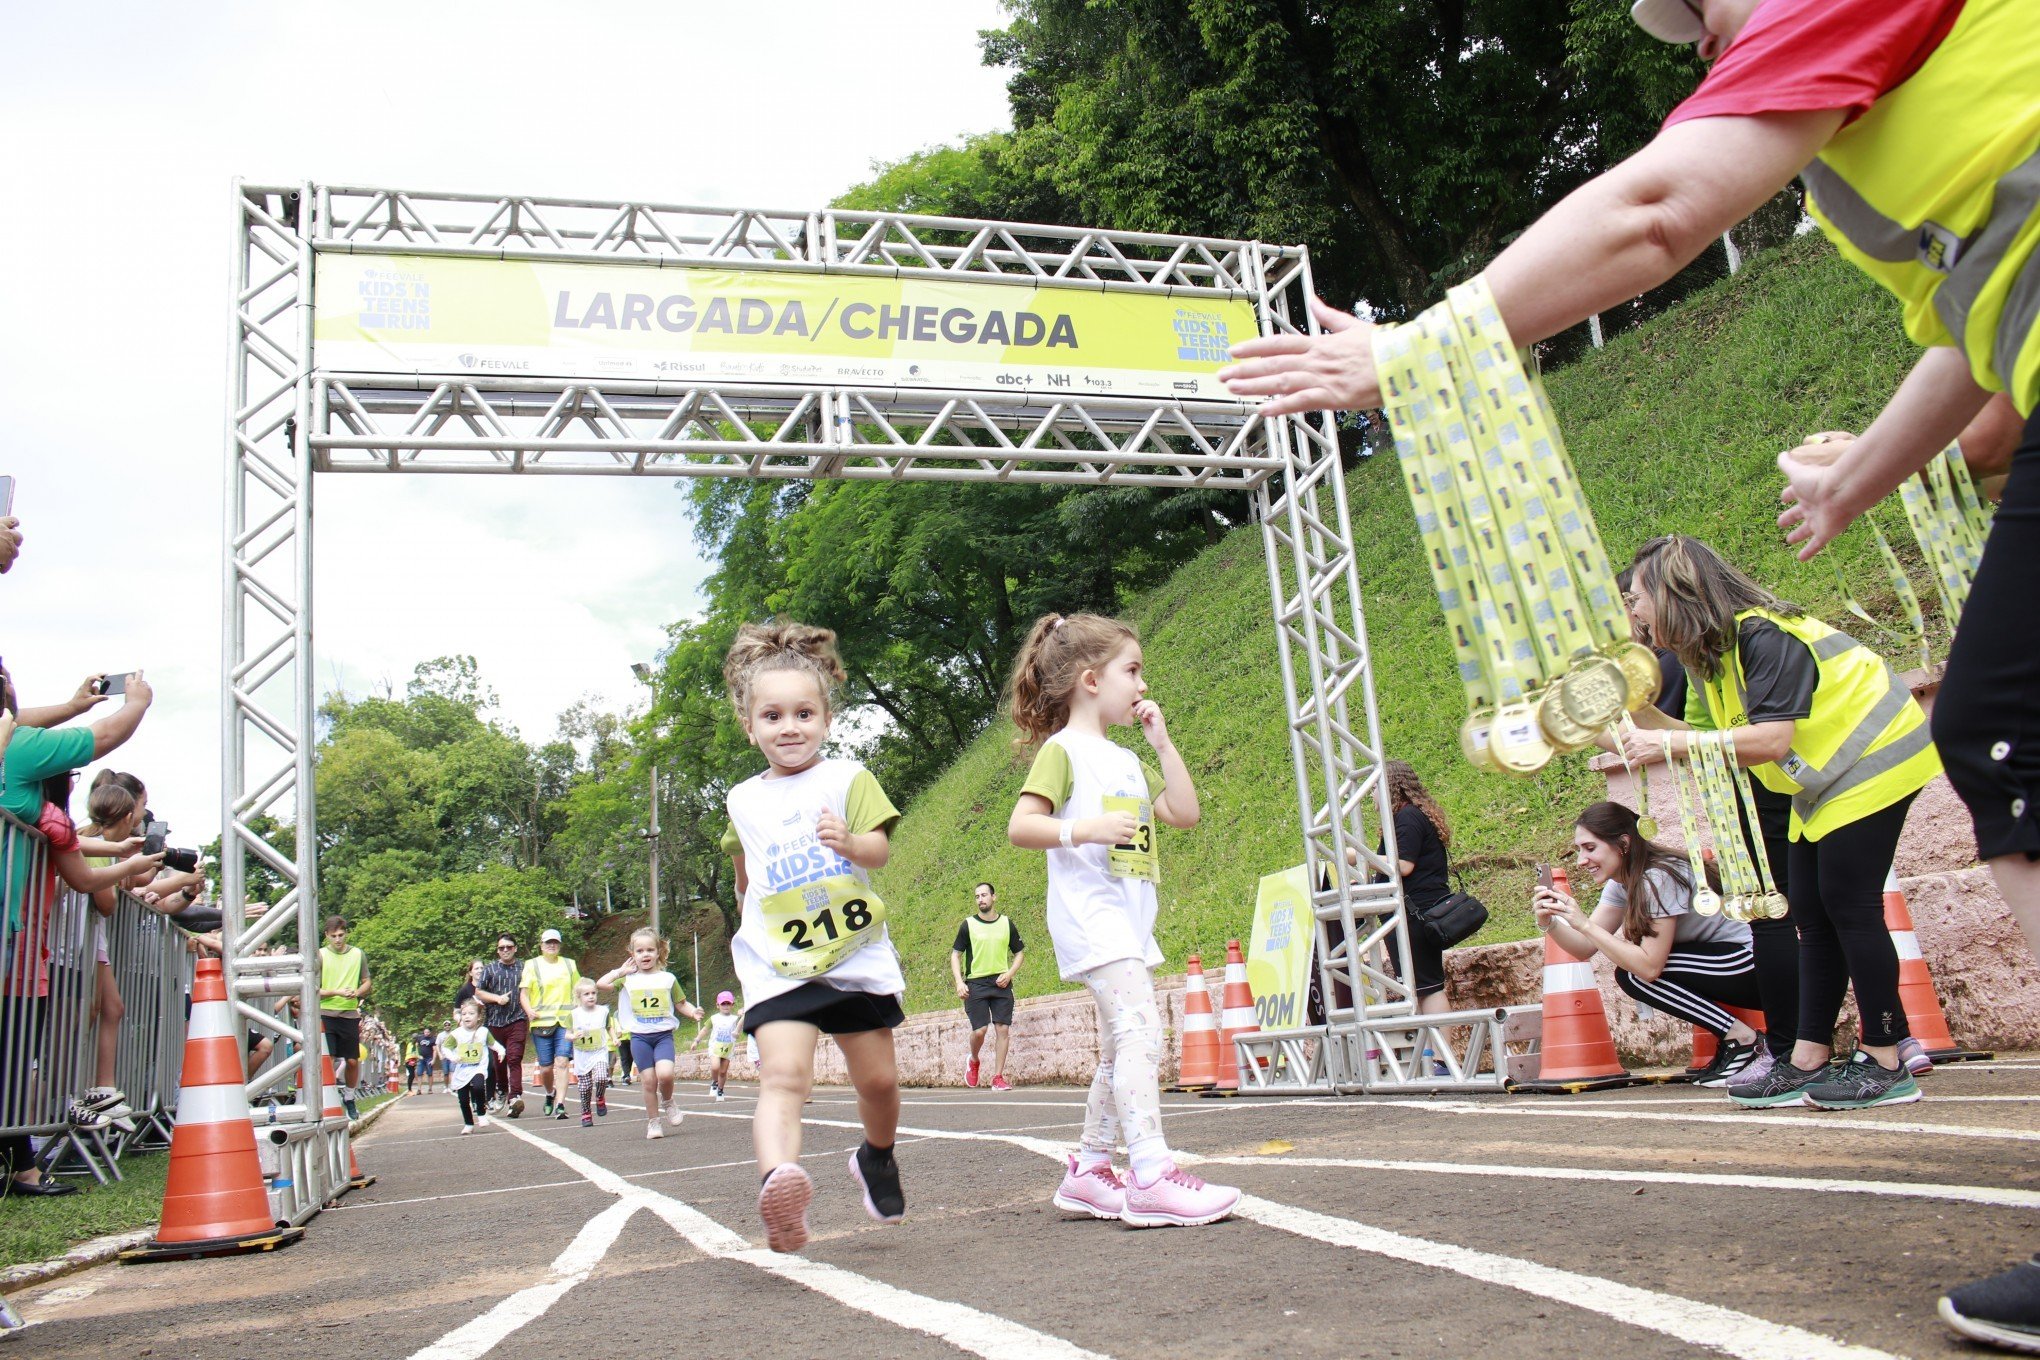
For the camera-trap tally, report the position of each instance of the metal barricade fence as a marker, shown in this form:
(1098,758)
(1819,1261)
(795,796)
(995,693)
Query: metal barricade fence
(49,988)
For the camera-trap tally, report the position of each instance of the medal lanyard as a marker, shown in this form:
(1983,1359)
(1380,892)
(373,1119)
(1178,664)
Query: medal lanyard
(1710,766)
(1772,904)
(1705,900)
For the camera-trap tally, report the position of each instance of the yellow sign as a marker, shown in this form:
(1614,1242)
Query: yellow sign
(1279,951)
(489,318)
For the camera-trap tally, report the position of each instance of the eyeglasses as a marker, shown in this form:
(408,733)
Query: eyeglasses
(1631,598)
(501,947)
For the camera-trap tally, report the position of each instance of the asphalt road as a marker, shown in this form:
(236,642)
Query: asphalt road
(1642,1223)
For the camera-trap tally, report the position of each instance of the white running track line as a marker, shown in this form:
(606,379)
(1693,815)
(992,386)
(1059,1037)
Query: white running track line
(472,1340)
(344,1206)
(1811,1121)
(1960,1194)
(1705,1324)
(959,1324)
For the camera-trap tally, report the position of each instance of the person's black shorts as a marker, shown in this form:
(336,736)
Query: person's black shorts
(343,1036)
(988,1003)
(829,1009)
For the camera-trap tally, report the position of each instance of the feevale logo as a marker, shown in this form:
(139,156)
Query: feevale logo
(502,365)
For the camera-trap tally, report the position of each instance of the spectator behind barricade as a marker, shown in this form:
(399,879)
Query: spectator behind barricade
(34,752)
(10,542)
(1666,954)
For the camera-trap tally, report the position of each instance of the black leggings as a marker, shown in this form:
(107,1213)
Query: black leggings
(1987,715)
(1698,981)
(473,1100)
(1838,904)
(1776,943)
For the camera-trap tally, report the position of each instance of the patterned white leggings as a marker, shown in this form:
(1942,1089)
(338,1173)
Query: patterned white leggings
(1126,1099)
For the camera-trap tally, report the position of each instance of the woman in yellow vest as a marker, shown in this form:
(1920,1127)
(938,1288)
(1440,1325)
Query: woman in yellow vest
(1821,718)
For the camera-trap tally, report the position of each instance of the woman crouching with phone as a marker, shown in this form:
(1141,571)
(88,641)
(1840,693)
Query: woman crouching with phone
(1666,955)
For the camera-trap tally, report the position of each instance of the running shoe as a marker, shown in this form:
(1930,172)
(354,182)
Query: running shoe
(602,1106)
(1860,1083)
(352,1113)
(1098,1192)
(1783,1085)
(783,1203)
(999,1083)
(970,1073)
(1730,1062)
(1178,1199)
(1760,1066)
(515,1109)
(548,1108)
(674,1114)
(480,1120)
(1913,1054)
(719,1095)
(654,1129)
(587,1121)
(466,1129)
(878,1175)
(560,1110)
(2003,1310)
(110,1102)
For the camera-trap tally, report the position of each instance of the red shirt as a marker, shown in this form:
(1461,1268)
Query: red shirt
(34,942)
(1795,56)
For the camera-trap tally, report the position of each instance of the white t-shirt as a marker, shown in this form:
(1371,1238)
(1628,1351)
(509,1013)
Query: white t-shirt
(1094,916)
(772,821)
(469,1049)
(722,1029)
(649,1002)
(588,1030)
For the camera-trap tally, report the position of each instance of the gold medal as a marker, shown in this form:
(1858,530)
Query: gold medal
(1640,668)
(1646,827)
(1517,743)
(1707,902)
(1736,908)
(1557,723)
(1775,906)
(1476,740)
(1594,692)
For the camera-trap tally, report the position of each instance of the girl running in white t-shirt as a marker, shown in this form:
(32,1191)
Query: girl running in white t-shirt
(588,1032)
(651,1005)
(1092,805)
(721,1034)
(467,1046)
(812,954)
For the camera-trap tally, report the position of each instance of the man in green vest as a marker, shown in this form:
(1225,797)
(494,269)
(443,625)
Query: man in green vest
(986,955)
(343,981)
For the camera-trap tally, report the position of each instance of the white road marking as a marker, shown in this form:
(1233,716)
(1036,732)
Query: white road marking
(1961,1194)
(1810,1121)
(1739,1334)
(960,1325)
(472,1340)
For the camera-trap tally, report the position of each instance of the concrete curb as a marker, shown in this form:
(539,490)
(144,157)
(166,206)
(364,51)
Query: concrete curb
(100,1250)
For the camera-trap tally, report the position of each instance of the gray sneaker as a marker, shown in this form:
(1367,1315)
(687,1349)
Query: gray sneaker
(1860,1083)
(1782,1085)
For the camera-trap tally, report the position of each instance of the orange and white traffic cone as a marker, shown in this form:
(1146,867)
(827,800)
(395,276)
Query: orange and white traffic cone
(1237,1017)
(329,1092)
(1199,1064)
(1577,1051)
(1924,1019)
(1705,1045)
(214,1203)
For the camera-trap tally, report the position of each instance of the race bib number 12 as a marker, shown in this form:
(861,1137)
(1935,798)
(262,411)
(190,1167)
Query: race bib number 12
(1135,858)
(815,926)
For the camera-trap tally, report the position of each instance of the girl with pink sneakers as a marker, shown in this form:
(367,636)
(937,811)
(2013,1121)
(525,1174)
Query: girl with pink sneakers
(1092,805)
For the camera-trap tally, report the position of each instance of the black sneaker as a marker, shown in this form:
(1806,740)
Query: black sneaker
(1730,1061)
(1783,1085)
(878,1176)
(2003,1310)
(1860,1083)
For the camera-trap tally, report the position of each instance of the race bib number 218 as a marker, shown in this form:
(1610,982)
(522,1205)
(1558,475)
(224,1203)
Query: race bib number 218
(813,927)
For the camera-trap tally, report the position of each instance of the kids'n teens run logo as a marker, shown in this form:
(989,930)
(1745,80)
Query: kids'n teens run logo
(1201,337)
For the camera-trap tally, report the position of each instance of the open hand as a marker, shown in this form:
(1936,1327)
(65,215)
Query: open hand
(1332,371)
(1816,508)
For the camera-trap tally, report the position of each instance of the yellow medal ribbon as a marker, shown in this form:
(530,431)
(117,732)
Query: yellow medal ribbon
(1771,904)
(1712,755)
(1706,902)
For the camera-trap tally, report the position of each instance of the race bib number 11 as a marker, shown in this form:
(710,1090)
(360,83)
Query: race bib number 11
(1135,858)
(815,926)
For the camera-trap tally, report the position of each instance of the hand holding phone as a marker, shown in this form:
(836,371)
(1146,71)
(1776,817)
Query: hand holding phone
(1544,878)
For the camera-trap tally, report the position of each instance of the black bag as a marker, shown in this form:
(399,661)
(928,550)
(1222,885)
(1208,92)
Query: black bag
(1449,920)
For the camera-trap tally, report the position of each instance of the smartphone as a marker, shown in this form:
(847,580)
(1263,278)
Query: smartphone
(1544,879)
(111,683)
(6,496)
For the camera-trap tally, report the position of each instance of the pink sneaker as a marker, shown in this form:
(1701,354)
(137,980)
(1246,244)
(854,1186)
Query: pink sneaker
(1098,1192)
(1178,1199)
(970,1073)
(783,1203)
(999,1083)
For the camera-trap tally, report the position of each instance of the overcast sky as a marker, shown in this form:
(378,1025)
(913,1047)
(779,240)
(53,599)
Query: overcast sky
(124,124)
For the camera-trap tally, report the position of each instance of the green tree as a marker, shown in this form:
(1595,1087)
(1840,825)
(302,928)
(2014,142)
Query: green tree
(420,942)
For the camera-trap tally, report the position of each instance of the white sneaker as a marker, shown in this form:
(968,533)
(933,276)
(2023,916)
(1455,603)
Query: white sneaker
(654,1129)
(466,1129)
(674,1114)
(480,1120)
(1178,1199)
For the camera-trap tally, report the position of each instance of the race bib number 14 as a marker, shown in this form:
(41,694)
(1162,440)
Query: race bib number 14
(813,927)
(1135,858)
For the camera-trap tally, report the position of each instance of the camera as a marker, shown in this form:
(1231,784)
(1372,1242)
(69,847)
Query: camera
(155,841)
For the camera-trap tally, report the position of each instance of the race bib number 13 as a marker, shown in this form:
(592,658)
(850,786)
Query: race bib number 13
(813,927)
(1135,858)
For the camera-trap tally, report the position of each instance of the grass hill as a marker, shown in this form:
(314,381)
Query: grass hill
(1673,427)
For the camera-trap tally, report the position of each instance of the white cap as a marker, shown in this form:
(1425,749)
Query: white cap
(1672,21)
(550,937)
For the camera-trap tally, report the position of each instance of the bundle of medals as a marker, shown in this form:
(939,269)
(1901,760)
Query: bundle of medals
(1950,521)
(1537,625)
(1712,787)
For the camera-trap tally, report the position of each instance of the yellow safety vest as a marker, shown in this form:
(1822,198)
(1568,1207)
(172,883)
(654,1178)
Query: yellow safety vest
(340,972)
(1935,193)
(552,988)
(1865,745)
(991,945)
